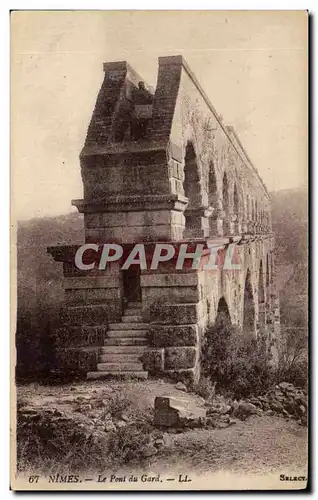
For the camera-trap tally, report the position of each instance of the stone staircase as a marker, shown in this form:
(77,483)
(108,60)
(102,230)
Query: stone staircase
(125,343)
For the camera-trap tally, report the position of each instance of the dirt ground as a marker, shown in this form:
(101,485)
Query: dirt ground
(261,444)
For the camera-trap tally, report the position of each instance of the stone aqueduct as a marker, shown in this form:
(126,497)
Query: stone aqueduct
(162,166)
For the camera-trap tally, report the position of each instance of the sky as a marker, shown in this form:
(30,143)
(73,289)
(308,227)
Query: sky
(252,65)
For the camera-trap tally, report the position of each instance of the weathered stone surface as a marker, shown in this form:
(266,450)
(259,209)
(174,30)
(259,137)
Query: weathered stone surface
(242,410)
(153,361)
(89,315)
(176,294)
(283,400)
(178,412)
(76,361)
(175,314)
(168,336)
(92,282)
(180,357)
(159,280)
(80,336)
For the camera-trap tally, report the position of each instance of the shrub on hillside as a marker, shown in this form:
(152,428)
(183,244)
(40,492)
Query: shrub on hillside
(293,363)
(242,366)
(129,443)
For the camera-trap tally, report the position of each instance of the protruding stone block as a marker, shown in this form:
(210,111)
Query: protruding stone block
(174,336)
(91,315)
(178,412)
(175,314)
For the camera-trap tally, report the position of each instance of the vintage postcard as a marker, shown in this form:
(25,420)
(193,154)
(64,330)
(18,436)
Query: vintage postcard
(159,250)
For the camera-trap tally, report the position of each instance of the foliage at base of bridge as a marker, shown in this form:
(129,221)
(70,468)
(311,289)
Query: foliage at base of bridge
(241,366)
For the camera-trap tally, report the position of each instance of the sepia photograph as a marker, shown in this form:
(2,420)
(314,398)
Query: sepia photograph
(159,250)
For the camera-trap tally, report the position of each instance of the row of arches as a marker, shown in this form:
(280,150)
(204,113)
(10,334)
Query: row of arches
(234,210)
(257,303)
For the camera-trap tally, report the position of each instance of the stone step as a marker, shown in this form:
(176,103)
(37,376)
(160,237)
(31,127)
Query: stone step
(140,341)
(107,375)
(132,312)
(132,319)
(128,326)
(127,349)
(134,305)
(126,333)
(120,357)
(119,367)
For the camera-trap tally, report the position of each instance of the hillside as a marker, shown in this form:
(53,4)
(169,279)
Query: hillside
(290,225)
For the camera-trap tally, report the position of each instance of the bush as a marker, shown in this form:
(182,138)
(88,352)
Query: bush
(205,388)
(118,404)
(52,445)
(63,442)
(242,367)
(293,364)
(128,444)
(239,366)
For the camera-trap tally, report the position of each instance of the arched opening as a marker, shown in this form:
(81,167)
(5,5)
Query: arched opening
(249,309)
(212,190)
(247,208)
(192,187)
(256,217)
(236,209)
(261,219)
(223,314)
(213,201)
(261,297)
(266,221)
(246,214)
(267,272)
(225,196)
(253,217)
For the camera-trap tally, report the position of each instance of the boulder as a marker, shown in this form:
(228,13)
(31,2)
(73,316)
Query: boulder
(181,387)
(178,412)
(269,412)
(224,409)
(149,450)
(277,406)
(244,410)
(159,443)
